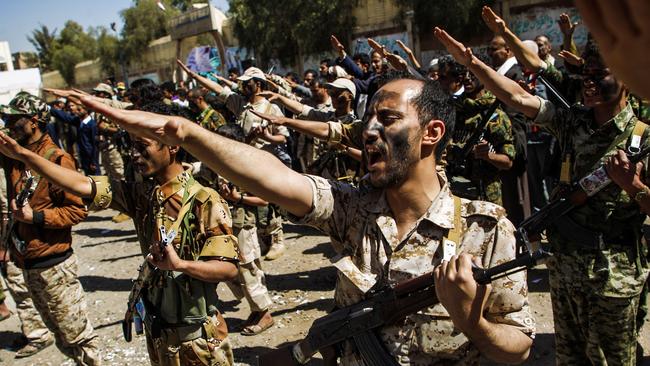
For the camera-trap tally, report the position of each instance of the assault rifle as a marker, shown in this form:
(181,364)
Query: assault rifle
(21,200)
(145,275)
(460,156)
(359,322)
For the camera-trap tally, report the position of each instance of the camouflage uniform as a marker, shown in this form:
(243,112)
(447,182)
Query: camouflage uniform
(210,119)
(240,107)
(108,151)
(600,265)
(31,323)
(364,234)
(190,329)
(498,134)
(48,263)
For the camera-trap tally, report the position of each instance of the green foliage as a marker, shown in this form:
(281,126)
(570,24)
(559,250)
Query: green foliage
(283,29)
(64,59)
(108,51)
(44,42)
(143,23)
(461,18)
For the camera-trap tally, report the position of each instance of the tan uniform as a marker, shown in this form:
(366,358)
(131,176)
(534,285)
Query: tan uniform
(190,329)
(364,234)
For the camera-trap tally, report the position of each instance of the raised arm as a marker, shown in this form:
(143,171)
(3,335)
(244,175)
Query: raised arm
(254,170)
(311,128)
(410,54)
(293,105)
(523,54)
(209,84)
(506,90)
(69,180)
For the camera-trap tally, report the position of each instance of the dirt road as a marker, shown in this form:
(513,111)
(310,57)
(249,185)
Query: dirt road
(301,285)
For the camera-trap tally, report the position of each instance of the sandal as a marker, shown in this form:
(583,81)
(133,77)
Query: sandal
(255,329)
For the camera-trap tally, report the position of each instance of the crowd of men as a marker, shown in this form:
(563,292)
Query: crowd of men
(408,170)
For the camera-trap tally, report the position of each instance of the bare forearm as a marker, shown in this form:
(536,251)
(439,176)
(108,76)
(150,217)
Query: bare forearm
(414,60)
(209,84)
(275,139)
(293,105)
(209,271)
(500,161)
(254,170)
(316,129)
(500,342)
(524,55)
(68,179)
(506,90)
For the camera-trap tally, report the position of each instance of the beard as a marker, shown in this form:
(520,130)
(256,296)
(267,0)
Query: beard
(397,164)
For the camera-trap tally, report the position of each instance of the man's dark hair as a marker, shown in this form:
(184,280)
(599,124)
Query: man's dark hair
(198,92)
(168,86)
(232,131)
(362,57)
(138,83)
(592,51)
(326,61)
(181,92)
(294,75)
(233,70)
(454,69)
(318,82)
(431,103)
(311,71)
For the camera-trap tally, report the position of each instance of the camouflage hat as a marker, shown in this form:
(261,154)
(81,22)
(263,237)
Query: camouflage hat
(26,104)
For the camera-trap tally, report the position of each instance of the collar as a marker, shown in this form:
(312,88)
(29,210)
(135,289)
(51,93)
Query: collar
(621,120)
(503,69)
(87,119)
(174,186)
(439,213)
(460,91)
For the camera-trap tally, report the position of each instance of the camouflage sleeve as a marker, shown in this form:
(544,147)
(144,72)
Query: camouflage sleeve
(551,74)
(349,134)
(108,193)
(501,136)
(215,222)
(331,204)
(508,300)
(550,117)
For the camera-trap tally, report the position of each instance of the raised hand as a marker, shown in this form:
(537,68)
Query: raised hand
(397,61)
(404,47)
(493,21)
(338,46)
(570,58)
(458,51)
(276,120)
(166,129)
(566,26)
(377,47)
(185,68)
(9,147)
(622,31)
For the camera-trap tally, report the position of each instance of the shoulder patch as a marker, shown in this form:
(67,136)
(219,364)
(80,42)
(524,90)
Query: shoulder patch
(482,208)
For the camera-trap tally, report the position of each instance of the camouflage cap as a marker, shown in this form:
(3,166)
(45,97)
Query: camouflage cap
(28,105)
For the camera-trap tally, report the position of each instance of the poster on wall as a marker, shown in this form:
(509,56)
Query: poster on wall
(360,45)
(543,21)
(204,59)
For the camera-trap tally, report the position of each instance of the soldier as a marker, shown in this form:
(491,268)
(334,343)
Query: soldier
(184,326)
(392,228)
(42,239)
(208,117)
(494,153)
(599,266)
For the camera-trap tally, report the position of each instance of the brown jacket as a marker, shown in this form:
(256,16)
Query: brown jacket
(49,238)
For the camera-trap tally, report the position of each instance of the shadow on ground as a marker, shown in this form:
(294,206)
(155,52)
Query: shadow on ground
(99,283)
(98,232)
(321,279)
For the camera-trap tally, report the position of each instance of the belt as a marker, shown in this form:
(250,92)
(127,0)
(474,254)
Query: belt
(178,335)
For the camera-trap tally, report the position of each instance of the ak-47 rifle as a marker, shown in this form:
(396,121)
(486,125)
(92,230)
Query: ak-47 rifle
(460,157)
(145,275)
(21,200)
(359,322)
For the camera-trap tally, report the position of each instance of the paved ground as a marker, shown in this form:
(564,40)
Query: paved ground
(301,283)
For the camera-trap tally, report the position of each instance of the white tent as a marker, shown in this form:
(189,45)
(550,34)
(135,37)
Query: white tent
(13,82)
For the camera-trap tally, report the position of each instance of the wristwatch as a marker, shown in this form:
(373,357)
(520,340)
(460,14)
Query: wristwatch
(643,193)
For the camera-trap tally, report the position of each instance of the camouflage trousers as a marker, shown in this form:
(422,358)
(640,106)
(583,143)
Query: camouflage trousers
(31,323)
(269,226)
(168,351)
(590,329)
(250,282)
(112,162)
(59,299)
